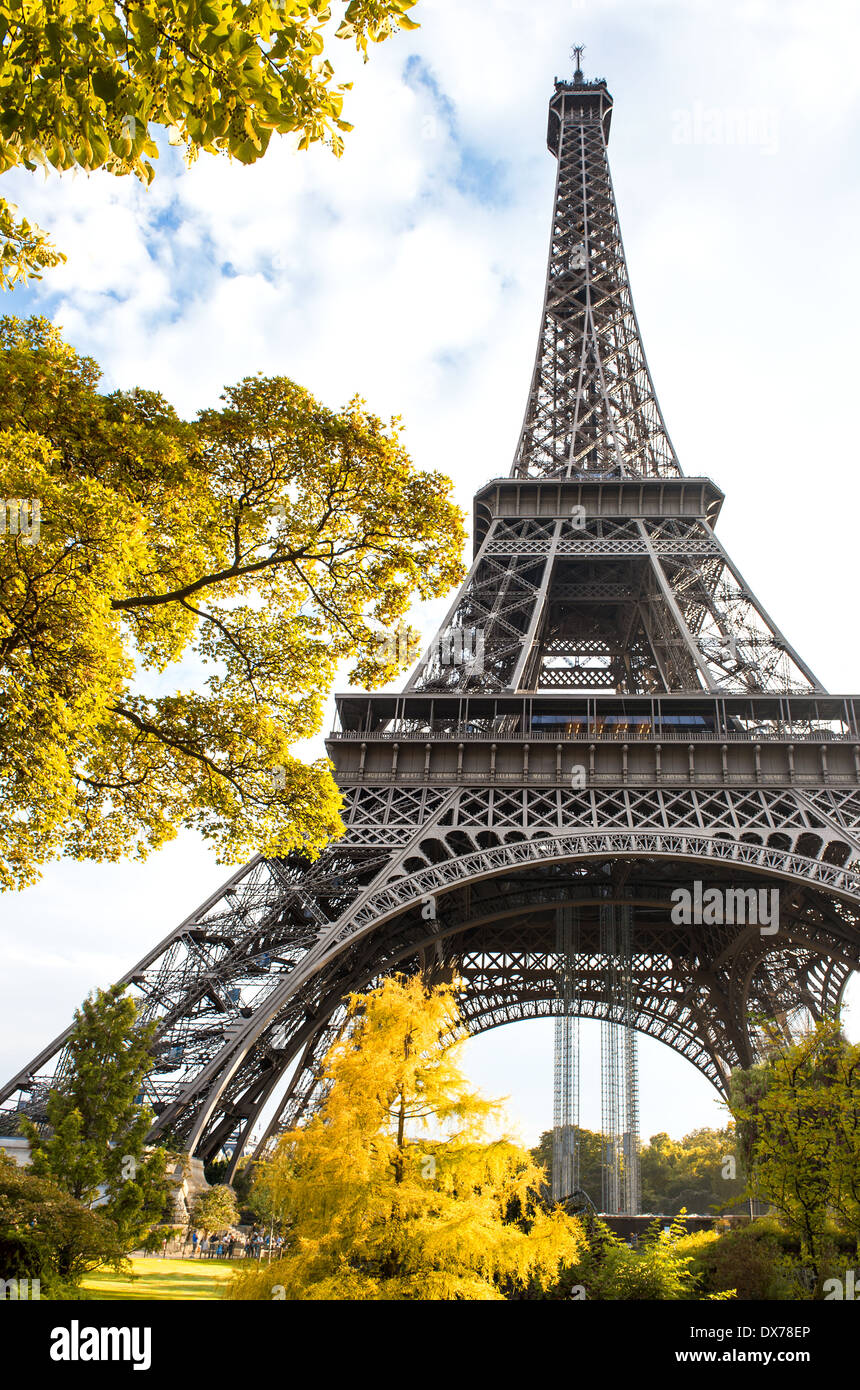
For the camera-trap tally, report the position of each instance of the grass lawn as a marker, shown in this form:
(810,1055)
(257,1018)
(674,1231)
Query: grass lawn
(162,1279)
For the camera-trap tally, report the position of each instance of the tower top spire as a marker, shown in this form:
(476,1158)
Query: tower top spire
(576,54)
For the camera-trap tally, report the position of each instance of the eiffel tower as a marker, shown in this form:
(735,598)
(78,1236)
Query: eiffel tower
(607,716)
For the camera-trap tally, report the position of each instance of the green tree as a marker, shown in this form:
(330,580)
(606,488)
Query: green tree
(590,1161)
(393,1188)
(215,1173)
(85,85)
(266,543)
(700,1173)
(48,1235)
(798,1117)
(216,1209)
(96,1150)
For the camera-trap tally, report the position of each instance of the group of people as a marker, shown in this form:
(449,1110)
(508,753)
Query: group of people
(232,1246)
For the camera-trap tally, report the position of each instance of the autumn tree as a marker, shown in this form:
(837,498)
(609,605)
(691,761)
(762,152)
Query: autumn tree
(176,625)
(215,1209)
(393,1188)
(798,1118)
(85,84)
(96,1146)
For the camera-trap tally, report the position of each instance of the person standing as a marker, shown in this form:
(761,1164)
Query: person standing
(193,1244)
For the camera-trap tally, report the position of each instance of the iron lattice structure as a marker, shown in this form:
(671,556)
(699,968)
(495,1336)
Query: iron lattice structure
(631,722)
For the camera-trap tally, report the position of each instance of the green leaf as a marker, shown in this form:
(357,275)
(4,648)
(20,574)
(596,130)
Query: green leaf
(105,85)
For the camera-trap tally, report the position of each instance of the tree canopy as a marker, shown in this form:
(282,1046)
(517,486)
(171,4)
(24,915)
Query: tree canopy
(700,1173)
(86,83)
(177,624)
(393,1189)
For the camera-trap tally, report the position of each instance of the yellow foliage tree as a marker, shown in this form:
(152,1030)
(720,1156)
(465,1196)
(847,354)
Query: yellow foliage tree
(259,546)
(85,83)
(394,1188)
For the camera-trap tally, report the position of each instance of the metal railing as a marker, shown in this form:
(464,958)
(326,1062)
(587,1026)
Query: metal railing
(610,779)
(614,734)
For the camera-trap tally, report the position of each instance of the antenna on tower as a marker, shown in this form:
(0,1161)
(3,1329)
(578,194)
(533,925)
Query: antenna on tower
(576,53)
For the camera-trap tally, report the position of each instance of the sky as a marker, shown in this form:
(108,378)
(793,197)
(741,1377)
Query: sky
(411,272)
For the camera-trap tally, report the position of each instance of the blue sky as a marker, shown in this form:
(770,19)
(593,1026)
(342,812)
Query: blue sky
(411,271)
